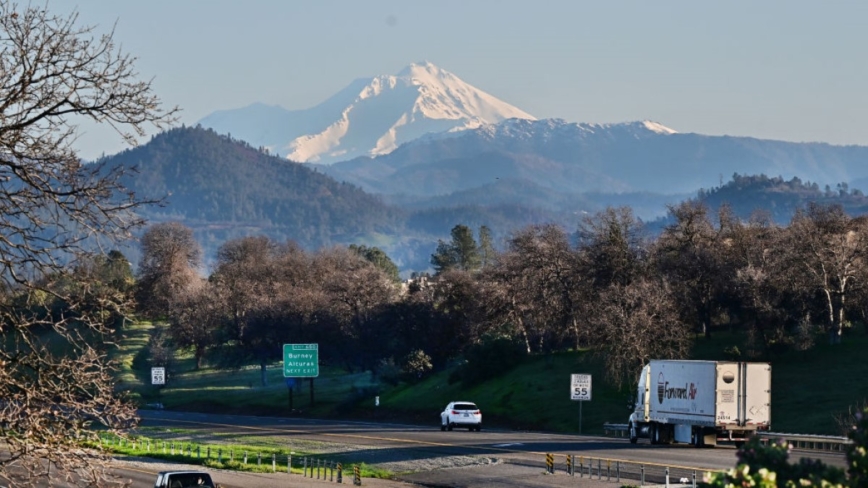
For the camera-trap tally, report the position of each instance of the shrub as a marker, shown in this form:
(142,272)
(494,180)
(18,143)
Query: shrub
(417,364)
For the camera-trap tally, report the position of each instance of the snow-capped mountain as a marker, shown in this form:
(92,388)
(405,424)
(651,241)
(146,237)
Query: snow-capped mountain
(370,117)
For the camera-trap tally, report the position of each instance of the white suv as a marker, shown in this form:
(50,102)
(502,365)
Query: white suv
(461,414)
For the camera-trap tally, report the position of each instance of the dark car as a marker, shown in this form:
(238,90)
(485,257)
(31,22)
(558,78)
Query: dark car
(183,479)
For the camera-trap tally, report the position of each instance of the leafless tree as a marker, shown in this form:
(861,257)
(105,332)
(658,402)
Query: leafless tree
(635,323)
(196,318)
(258,280)
(828,253)
(55,73)
(356,290)
(544,287)
(169,266)
(612,246)
(689,254)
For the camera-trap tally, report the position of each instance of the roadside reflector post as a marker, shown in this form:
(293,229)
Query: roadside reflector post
(357,477)
(642,478)
(667,476)
(273,462)
(340,473)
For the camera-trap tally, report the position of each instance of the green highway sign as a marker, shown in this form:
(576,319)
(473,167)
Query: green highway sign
(300,360)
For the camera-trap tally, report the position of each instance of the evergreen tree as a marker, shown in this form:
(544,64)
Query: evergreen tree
(379,258)
(461,253)
(444,258)
(486,247)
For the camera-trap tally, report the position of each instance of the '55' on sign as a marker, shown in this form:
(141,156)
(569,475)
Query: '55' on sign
(580,387)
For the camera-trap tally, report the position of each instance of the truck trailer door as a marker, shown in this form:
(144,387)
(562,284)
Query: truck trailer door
(757,388)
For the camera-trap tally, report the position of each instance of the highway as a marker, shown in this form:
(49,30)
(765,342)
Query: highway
(376,443)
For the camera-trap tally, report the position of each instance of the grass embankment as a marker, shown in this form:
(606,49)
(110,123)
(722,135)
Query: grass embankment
(808,389)
(175,447)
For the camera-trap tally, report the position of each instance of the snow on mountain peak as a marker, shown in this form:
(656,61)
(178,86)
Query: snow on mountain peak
(657,127)
(371,116)
(393,109)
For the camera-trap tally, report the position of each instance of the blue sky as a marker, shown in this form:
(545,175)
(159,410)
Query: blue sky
(793,70)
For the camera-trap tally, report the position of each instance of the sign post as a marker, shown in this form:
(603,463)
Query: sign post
(580,390)
(158,379)
(290,384)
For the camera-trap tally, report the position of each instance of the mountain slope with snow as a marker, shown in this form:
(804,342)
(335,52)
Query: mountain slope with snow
(370,117)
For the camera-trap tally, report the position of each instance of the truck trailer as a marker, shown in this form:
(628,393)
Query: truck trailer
(701,402)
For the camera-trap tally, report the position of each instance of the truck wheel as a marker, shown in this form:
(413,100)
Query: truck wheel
(654,434)
(634,437)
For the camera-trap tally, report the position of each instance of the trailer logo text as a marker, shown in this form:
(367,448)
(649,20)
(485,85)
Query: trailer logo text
(666,391)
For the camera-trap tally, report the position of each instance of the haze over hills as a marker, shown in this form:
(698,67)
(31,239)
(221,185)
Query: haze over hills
(223,188)
(576,158)
(369,117)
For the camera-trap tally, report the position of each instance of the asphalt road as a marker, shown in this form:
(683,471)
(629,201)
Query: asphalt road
(508,451)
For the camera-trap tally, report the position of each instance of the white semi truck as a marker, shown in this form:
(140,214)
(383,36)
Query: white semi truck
(701,402)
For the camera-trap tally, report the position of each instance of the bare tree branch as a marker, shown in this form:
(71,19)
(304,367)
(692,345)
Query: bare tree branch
(57,302)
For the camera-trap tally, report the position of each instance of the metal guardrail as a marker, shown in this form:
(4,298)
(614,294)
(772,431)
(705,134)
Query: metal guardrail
(809,441)
(798,441)
(619,470)
(619,430)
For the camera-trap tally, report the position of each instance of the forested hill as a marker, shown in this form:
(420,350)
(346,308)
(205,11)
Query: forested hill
(780,198)
(226,188)
(223,188)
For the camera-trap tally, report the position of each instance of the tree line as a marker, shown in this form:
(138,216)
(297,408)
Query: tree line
(607,286)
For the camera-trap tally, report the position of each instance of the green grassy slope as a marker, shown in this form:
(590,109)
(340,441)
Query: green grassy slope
(808,389)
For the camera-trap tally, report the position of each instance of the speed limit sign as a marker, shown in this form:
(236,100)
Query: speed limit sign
(580,387)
